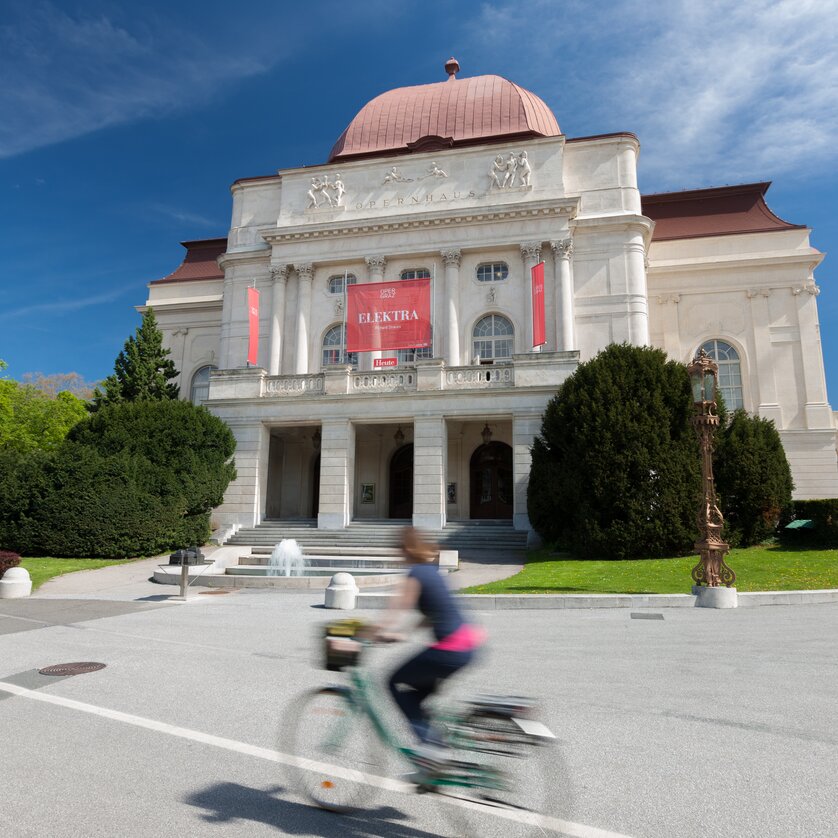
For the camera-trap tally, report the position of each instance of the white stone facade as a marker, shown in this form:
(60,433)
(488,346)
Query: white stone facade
(326,439)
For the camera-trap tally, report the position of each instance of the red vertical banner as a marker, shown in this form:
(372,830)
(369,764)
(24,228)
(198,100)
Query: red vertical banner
(253,326)
(539,321)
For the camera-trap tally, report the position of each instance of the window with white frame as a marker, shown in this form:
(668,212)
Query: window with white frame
(336,282)
(730,371)
(409,356)
(492,272)
(334,348)
(415,273)
(493,338)
(199,390)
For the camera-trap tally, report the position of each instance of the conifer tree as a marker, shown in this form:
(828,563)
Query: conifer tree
(615,473)
(753,478)
(142,371)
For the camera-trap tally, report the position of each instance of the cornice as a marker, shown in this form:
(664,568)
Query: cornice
(468,217)
(722,263)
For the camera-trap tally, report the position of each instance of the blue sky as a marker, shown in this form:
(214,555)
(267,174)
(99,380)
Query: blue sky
(122,125)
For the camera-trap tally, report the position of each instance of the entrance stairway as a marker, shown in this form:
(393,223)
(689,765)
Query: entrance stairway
(380,538)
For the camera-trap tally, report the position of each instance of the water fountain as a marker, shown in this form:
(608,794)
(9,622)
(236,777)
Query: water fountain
(287,559)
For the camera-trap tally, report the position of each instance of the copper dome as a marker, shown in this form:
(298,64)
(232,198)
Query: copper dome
(444,114)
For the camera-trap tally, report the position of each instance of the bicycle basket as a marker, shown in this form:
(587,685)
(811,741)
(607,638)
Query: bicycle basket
(342,649)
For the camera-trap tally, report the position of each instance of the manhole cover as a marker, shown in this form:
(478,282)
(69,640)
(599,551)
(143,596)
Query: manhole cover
(72,668)
(213,593)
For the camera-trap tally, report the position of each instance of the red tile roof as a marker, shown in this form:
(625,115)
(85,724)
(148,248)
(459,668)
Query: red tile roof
(719,211)
(452,112)
(200,261)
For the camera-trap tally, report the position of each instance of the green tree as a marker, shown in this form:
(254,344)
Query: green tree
(615,471)
(753,478)
(30,419)
(142,371)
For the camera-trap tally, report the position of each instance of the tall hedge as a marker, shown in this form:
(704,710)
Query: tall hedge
(615,471)
(753,479)
(133,479)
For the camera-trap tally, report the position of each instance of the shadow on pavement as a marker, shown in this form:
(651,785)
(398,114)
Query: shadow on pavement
(228,802)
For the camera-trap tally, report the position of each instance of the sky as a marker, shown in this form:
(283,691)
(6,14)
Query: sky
(122,125)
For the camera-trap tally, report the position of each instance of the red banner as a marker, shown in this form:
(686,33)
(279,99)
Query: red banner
(388,315)
(253,326)
(539,327)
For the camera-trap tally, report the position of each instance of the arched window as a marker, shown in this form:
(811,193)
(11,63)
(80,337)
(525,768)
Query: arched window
(200,385)
(493,338)
(415,273)
(336,282)
(334,353)
(492,272)
(730,371)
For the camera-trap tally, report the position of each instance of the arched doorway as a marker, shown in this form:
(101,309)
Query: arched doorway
(315,486)
(491,481)
(401,482)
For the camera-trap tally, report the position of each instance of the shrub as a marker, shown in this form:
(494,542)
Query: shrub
(823,514)
(753,479)
(616,470)
(7,560)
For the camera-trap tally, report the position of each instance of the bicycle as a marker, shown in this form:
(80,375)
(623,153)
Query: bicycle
(488,737)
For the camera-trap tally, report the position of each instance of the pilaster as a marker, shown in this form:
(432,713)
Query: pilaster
(531,255)
(429,453)
(818,413)
(565,314)
(305,272)
(451,259)
(525,427)
(279,273)
(337,473)
(761,357)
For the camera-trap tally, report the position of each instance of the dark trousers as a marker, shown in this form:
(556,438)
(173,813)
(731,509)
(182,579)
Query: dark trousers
(418,678)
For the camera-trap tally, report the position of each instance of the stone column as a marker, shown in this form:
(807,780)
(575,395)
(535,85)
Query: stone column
(637,300)
(525,428)
(762,361)
(531,254)
(565,314)
(818,414)
(429,449)
(225,361)
(375,266)
(280,280)
(337,474)
(305,271)
(451,258)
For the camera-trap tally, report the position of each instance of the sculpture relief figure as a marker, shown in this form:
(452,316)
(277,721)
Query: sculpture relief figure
(393,176)
(511,166)
(340,190)
(316,186)
(496,167)
(435,171)
(524,169)
(325,186)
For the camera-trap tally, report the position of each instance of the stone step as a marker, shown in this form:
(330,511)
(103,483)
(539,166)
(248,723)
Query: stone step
(346,562)
(265,551)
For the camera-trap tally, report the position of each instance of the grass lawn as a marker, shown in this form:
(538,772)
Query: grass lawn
(769,568)
(42,569)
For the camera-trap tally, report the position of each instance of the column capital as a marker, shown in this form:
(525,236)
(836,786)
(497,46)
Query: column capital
(531,250)
(279,273)
(451,256)
(376,262)
(305,270)
(751,293)
(562,248)
(809,288)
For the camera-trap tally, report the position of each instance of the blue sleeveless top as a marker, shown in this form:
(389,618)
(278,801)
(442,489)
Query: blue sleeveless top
(436,601)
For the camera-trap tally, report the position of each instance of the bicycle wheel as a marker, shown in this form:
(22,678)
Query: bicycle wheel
(334,749)
(505,777)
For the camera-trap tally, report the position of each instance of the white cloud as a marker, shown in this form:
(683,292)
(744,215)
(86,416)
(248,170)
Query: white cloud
(187,217)
(718,91)
(64,306)
(65,76)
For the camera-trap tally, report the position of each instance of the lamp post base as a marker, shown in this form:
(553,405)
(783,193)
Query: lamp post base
(719,597)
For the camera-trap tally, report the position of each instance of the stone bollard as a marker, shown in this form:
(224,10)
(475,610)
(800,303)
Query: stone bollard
(15,583)
(715,597)
(341,592)
(449,559)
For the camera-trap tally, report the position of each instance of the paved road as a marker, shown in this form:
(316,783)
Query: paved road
(702,723)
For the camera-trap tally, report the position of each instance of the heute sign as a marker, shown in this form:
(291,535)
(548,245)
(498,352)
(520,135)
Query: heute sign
(388,315)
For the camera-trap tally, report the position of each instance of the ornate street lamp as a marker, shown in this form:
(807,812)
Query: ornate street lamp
(711,569)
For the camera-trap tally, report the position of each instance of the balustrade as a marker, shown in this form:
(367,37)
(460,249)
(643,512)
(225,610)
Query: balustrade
(477,378)
(294,385)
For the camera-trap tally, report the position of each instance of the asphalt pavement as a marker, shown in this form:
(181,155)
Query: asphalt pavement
(693,723)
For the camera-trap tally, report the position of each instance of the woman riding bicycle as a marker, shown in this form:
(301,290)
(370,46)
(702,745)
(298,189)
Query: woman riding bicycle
(425,589)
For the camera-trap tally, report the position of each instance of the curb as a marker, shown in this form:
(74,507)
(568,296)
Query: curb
(540,602)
